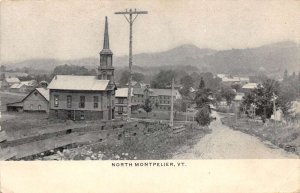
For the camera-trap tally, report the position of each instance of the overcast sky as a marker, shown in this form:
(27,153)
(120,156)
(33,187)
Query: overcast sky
(74,29)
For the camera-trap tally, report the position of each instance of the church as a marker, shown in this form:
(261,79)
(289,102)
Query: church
(85,97)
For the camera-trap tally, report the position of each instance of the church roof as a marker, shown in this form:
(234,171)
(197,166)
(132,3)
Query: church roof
(70,82)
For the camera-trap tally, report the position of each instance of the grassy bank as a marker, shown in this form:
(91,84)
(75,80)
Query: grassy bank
(145,140)
(163,115)
(285,136)
(150,143)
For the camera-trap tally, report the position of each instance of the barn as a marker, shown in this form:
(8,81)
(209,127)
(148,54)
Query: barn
(36,101)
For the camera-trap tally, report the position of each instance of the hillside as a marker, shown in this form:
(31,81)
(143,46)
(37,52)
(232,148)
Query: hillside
(272,58)
(182,55)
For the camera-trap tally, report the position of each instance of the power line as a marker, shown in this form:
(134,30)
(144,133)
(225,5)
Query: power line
(130,16)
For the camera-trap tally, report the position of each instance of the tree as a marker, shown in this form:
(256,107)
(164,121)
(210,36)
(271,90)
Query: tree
(211,82)
(2,76)
(288,92)
(294,75)
(138,77)
(187,82)
(202,84)
(285,75)
(180,105)
(124,77)
(70,70)
(2,68)
(227,93)
(147,106)
(203,117)
(202,95)
(262,98)
(237,87)
(203,104)
(163,79)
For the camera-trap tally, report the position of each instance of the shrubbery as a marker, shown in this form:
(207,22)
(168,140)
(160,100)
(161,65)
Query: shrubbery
(203,117)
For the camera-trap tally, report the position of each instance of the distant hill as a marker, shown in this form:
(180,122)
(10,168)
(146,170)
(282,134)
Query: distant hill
(179,56)
(272,58)
(48,65)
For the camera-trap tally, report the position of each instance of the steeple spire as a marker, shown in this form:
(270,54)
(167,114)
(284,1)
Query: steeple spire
(106,37)
(106,69)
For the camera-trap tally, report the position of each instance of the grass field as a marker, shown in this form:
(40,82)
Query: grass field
(286,136)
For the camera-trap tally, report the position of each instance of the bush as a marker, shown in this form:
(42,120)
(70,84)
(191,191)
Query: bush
(203,116)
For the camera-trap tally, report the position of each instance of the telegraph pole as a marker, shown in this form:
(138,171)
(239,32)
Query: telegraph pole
(172,103)
(128,16)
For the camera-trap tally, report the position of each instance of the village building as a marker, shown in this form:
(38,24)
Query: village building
(14,74)
(85,97)
(231,80)
(36,101)
(122,100)
(238,99)
(160,99)
(8,82)
(249,87)
(24,86)
(138,84)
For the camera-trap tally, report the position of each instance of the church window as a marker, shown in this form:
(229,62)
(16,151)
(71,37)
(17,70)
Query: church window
(95,102)
(109,62)
(82,102)
(39,107)
(69,101)
(104,60)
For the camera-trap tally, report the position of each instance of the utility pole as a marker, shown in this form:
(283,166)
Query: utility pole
(128,16)
(172,103)
(274,98)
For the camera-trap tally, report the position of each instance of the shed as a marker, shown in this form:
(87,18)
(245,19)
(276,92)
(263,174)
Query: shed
(36,101)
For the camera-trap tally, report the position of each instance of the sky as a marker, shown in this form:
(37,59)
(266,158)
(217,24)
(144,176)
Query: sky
(74,29)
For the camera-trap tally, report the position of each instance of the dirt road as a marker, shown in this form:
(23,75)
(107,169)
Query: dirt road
(225,143)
